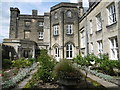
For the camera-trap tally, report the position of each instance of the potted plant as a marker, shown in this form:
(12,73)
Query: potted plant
(67,74)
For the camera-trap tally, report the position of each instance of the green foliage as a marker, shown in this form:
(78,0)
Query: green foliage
(20,63)
(20,76)
(6,63)
(66,69)
(45,72)
(32,60)
(47,64)
(101,63)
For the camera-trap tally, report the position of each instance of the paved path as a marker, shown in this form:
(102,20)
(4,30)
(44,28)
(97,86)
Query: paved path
(24,82)
(108,85)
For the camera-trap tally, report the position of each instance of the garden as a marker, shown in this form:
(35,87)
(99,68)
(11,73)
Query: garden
(14,71)
(65,74)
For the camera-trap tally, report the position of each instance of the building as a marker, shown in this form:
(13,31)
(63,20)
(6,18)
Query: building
(99,29)
(67,30)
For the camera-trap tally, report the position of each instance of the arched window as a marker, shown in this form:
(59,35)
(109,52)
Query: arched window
(69,51)
(55,15)
(69,14)
(57,52)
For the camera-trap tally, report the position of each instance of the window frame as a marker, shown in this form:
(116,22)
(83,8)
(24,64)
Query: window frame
(40,23)
(69,29)
(82,38)
(114,51)
(57,52)
(91,27)
(26,34)
(99,22)
(100,46)
(111,13)
(41,35)
(27,23)
(56,30)
(69,13)
(69,51)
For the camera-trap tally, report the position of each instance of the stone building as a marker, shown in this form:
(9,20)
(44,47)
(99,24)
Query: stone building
(67,30)
(28,33)
(100,29)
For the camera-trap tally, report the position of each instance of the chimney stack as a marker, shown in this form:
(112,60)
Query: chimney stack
(34,12)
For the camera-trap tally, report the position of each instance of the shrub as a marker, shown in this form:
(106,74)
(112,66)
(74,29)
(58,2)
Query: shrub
(47,64)
(6,63)
(32,60)
(20,63)
(65,69)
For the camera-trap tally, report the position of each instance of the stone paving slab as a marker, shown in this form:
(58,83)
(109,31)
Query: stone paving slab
(106,84)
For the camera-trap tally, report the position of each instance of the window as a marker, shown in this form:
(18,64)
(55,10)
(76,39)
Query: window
(69,28)
(100,47)
(69,14)
(91,47)
(114,52)
(91,31)
(41,35)
(111,14)
(56,52)
(27,34)
(41,23)
(99,22)
(27,23)
(55,15)
(56,28)
(69,51)
(82,37)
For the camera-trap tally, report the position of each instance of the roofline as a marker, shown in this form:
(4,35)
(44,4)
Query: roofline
(62,4)
(89,10)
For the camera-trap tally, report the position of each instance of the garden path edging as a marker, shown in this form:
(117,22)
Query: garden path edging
(106,84)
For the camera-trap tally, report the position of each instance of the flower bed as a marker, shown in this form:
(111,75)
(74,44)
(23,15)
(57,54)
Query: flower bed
(96,73)
(20,76)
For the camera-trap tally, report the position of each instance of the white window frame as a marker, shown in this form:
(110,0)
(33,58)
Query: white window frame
(114,53)
(41,35)
(69,29)
(82,38)
(57,52)
(111,14)
(100,47)
(56,30)
(91,30)
(99,22)
(69,51)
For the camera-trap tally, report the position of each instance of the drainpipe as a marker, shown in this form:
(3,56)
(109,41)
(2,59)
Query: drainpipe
(50,33)
(87,42)
(63,32)
(119,29)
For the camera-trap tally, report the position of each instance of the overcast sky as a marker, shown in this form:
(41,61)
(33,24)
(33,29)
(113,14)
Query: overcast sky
(25,7)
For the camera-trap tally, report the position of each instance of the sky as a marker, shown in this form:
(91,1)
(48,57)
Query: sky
(25,7)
